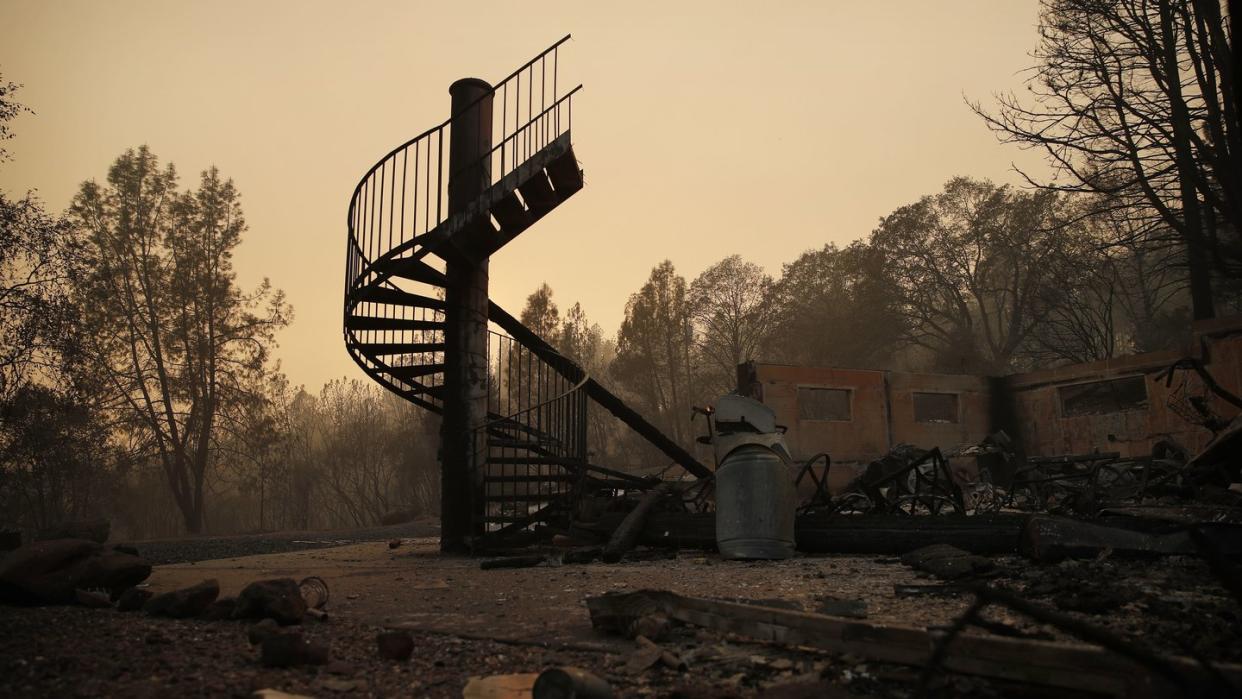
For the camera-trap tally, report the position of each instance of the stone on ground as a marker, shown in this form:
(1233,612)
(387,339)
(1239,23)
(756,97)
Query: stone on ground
(49,572)
(184,603)
(279,599)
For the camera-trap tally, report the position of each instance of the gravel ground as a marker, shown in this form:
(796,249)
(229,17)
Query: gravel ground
(76,652)
(207,548)
(469,622)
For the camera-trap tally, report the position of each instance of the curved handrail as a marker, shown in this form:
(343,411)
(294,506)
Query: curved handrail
(403,196)
(469,106)
(362,248)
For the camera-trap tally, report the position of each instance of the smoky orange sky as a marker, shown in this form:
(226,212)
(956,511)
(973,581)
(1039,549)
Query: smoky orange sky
(705,128)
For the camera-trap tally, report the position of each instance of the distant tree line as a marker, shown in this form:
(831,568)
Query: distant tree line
(137,382)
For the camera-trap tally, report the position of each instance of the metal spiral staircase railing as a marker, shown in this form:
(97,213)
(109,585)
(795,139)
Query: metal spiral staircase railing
(401,234)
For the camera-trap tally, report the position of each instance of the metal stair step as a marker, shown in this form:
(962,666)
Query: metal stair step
(413,371)
(359,322)
(535,461)
(550,478)
(436,392)
(565,174)
(511,214)
(539,195)
(501,519)
(413,269)
(382,348)
(512,444)
(382,294)
(524,498)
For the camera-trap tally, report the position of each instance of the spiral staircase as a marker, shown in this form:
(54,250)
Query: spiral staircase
(402,235)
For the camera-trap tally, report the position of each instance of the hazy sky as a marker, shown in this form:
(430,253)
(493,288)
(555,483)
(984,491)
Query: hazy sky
(705,129)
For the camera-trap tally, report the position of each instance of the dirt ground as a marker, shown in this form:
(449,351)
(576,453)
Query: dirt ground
(470,622)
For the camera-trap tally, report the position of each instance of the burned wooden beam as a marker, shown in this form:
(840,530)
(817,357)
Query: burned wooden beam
(627,533)
(897,534)
(1049,539)
(835,533)
(1048,663)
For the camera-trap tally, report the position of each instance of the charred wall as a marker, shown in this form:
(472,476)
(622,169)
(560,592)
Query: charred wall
(1122,404)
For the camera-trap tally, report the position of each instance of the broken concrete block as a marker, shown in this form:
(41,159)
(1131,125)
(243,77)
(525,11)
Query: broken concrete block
(221,609)
(653,626)
(262,630)
(48,572)
(279,599)
(90,598)
(184,603)
(133,599)
(557,682)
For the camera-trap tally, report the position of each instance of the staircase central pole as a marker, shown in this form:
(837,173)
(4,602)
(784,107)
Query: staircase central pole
(463,448)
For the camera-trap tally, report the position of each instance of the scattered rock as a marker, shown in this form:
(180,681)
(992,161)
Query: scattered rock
(498,686)
(395,645)
(654,626)
(288,649)
(262,630)
(279,599)
(570,682)
(336,685)
(184,603)
(133,599)
(649,653)
(221,609)
(339,667)
(646,655)
(114,570)
(277,694)
(48,572)
(95,530)
(948,562)
(812,689)
(91,598)
(394,543)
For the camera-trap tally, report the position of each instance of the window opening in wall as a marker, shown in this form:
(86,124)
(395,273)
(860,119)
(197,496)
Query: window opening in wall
(935,407)
(824,404)
(1103,397)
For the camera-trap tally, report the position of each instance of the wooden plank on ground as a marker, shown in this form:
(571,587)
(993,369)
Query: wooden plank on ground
(1047,663)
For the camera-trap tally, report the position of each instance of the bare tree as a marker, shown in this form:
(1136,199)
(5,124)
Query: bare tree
(36,315)
(375,454)
(540,313)
(1136,99)
(732,314)
(173,338)
(977,268)
(835,307)
(655,347)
